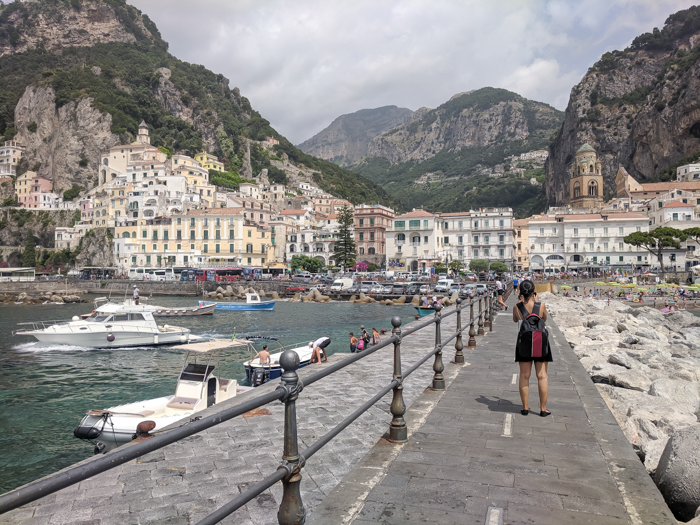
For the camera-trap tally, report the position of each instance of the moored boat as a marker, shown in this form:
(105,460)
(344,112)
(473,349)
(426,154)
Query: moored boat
(197,388)
(162,311)
(424,310)
(258,373)
(252,302)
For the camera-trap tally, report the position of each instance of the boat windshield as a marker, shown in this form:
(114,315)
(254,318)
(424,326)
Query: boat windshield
(99,317)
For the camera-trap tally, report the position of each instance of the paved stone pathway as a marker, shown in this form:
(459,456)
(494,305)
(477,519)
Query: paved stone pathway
(185,481)
(477,460)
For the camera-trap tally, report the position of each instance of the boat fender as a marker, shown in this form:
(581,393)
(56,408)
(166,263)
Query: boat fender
(155,339)
(87,432)
(110,337)
(183,339)
(75,318)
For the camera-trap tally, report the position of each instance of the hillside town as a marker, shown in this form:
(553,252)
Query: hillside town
(163,211)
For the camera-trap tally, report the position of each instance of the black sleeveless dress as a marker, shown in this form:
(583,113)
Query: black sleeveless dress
(521,357)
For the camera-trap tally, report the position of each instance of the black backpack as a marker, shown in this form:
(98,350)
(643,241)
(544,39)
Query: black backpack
(533,339)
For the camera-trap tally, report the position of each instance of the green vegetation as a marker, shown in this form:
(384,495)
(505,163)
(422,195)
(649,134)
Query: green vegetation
(32,127)
(29,255)
(306,263)
(227,180)
(478,265)
(498,267)
(656,240)
(439,267)
(72,193)
(345,246)
(9,201)
(677,25)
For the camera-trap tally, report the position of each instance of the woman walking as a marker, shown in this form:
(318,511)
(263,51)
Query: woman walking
(524,356)
(375,337)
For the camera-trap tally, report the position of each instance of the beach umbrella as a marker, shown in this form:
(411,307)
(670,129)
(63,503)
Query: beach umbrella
(629,285)
(565,287)
(601,284)
(642,290)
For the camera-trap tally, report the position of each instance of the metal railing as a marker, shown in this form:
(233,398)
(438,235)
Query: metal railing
(291,510)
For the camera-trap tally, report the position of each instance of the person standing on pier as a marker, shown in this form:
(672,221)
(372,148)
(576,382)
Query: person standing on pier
(136,295)
(353,343)
(524,356)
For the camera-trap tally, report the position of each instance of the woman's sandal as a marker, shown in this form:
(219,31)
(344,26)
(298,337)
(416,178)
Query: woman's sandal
(545,413)
(524,412)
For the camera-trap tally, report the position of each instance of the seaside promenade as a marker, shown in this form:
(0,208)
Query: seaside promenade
(471,457)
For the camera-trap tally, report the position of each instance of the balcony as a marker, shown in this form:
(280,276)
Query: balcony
(415,244)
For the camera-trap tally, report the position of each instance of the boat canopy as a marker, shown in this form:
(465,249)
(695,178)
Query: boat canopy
(213,344)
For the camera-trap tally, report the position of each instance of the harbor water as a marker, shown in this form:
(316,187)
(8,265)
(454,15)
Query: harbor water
(46,389)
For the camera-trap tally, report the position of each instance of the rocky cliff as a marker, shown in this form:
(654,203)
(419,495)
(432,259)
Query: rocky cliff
(345,140)
(64,144)
(16,224)
(639,108)
(96,249)
(104,68)
(468,120)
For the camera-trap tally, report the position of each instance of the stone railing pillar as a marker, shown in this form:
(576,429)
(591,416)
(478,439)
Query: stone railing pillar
(438,367)
(398,432)
(459,345)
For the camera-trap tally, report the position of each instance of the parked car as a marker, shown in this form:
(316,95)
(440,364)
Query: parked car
(470,276)
(481,289)
(443,285)
(469,290)
(412,288)
(456,287)
(354,289)
(425,289)
(387,289)
(442,276)
(376,288)
(295,289)
(399,289)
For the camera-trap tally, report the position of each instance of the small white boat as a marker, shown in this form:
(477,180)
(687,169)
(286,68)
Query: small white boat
(258,373)
(110,325)
(197,388)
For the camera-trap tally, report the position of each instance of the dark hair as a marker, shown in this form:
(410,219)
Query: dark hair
(527,289)
(352,334)
(264,347)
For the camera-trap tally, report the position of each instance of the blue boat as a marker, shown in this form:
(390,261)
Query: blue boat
(252,302)
(424,310)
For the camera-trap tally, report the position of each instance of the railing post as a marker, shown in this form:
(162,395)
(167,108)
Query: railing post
(487,313)
(459,346)
(494,308)
(438,367)
(472,333)
(481,318)
(397,428)
(291,511)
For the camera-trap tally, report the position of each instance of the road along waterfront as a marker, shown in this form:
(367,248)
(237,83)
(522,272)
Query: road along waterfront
(45,390)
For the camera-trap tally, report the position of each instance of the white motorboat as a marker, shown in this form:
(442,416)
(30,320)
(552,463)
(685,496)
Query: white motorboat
(197,388)
(110,325)
(258,373)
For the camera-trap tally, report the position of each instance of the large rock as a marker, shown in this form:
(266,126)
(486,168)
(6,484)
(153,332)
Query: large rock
(681,392)
(678,473)
(630,379)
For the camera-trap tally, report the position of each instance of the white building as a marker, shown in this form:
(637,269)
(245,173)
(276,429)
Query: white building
(11,153)
(492,235)
(688,173)
(588,241)
(413,241)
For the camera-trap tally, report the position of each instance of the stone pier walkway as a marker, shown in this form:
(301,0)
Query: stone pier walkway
(476,460)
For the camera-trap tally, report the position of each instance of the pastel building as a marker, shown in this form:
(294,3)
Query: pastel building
(371,224)
(11,153)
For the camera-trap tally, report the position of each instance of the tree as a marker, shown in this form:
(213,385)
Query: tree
(345,246)
(72,193)
(693,233)
(499,267)
(306,263)
(656,240)
(456,266)
(29,255)
(439,267)
(478,265)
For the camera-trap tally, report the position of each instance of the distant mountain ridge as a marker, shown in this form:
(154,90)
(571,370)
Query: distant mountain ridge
(639,108)
(345,140)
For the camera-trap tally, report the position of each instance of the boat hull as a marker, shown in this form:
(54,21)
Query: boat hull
(121,339)
(185,312)
(424,311)
(266,306)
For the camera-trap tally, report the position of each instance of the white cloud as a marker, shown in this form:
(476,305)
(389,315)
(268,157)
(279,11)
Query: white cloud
(302,63)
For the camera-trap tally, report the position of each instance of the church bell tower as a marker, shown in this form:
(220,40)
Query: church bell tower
(586,184)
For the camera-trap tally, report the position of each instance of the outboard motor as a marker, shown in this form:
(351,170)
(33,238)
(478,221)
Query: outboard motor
(257,377)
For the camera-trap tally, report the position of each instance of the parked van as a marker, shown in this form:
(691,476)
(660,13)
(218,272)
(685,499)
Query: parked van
(550,272)
(444,285)
(340,285)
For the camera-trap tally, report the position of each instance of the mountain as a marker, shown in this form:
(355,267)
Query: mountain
(639,108)
(345,140)
(78,76)
(455,156)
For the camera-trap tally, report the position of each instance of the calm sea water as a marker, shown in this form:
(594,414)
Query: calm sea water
(45,390)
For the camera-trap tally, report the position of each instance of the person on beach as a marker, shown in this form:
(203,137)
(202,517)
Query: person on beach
(526,306)
(353,343)
(318,353)
(375,337)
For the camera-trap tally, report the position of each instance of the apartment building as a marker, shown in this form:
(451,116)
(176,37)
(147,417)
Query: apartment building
(11,153)
(413,241)
(370,224)
(456,228)
(492,235)
(521,234)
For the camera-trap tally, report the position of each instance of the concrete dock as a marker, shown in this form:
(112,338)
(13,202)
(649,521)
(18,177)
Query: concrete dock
(471,457)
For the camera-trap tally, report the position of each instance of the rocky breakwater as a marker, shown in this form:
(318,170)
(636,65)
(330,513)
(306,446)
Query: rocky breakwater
(647,368)
(49,297)
(238,292)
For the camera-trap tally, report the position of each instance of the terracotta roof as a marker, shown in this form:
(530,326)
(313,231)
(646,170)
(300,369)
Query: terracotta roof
(415,213)
(332,216)
(521,222)
(456,214)
(293,212)
(668,186)
(216,211)
(590,216)
(678,204)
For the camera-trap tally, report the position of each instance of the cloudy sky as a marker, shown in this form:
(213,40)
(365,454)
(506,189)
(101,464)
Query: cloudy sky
(302,63)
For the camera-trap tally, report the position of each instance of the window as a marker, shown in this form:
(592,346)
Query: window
(476,239)
(486,252)
(191,247)
(145,234)
(621,230)
(249,248)
(165,247)
(178,234)
(554,230)
(501,252)
(595,259)
(621,258)
(446,240)
(520,246)
(206,235)
(501,238)
(476,225)
(262,261)
(178,246)
(218,221)
(487,238)
(191,222)
(554,247)
(425,239)
(460,239)
(133,260)
(459,225)
(541,247)
(675,216)
(414,224)
(476,252)
(621,245)
(148,259)
(248,260)
(486,223)
(155,247)
(661,205)
(217,248)
(500,223)
(607,259)
(425,225)
(362,236)
(605,246)
(591,232)
(371,222)
(401,225)
(639,258)
(590,246)
(179,221)
(575,232)
(250,233)
(575,246)
(192,235)
(605,231)
(165,235)
(206,222)
(231,248)
(371,236)
(639,228)
(205,248)
(362,222)
(541,231)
